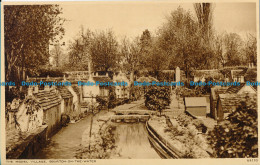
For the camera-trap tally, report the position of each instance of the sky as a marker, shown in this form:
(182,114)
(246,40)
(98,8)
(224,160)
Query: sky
(132,18)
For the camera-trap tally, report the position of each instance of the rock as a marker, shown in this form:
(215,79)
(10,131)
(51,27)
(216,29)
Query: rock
(103,118)
(192,130)
(199,153)
(174,123)
(179,128)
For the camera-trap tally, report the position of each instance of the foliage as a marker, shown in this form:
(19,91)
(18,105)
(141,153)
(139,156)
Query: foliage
(250,49)
(186,92)
(104,51)
(251,75)
(28,31)
(44,72)
(102,102)
(179,39)
(162,76)
(79,50)
(103,145)
(233,44)
(184,133)
(99,47)
(111,97)
(135,92)
(184,120)
(157,97)
(12,93)
(238,135)
(204,12)
(130,55)
(57,54)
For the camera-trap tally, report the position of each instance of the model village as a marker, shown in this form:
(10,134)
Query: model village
(132,44)
(181,129)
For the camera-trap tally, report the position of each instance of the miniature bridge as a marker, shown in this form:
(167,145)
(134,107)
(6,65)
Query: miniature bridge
(131,116)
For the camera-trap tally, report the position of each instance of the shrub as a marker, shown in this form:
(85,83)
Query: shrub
(135,92)
(111,97)
(102,102)
(13,93)
(157,97)
(237,136)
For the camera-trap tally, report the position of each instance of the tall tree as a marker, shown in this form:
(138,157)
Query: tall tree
(204,12)
(56,54)
(233,44)
(145,44)
(157,59)
(179,39)
(28,31)
(250,49)
(104,51)
(218,48)
(79,50)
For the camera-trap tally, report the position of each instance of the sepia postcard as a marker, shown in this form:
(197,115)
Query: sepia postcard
(130,82)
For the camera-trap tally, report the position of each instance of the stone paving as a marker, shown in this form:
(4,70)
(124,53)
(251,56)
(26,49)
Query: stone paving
(176,107)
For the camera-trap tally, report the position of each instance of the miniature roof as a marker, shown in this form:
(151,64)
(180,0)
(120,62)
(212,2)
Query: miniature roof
(64,92)
(76,89)
(215,91)
(47,99)
(206,73)
(237,72)
(251,74)
(231,101)
(242,73)
(101,78)
(195,102)
(236,89)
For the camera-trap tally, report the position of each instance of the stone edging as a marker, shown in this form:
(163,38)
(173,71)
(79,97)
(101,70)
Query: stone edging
(165,149)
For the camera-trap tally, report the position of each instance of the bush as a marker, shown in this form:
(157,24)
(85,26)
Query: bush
(112,97)
(237,136)
(48,72)
(157,97)
(13,93)
(102,102)
(135,92)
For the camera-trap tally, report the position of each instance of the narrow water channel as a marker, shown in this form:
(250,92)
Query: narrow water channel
(132,142)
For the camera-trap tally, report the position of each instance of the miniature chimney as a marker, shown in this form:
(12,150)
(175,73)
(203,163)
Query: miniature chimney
(47,88)
(107,74)
(36,89)
(64,77)
(242,79)
(54,88)
(96,74)
(30,91)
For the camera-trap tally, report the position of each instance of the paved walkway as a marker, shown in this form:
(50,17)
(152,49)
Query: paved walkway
(64,144)
(136,105)
(176,107)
